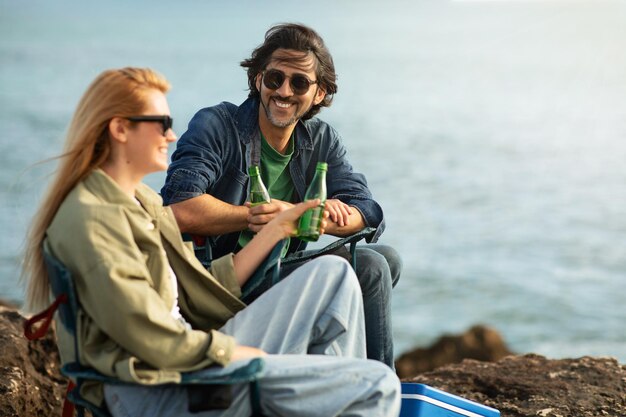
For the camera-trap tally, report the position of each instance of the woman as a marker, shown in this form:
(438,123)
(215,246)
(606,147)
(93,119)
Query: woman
(151,309)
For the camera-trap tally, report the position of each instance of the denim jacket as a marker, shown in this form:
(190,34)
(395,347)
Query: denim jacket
(213,156)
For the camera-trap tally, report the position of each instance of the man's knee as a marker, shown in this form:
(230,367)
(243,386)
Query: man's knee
(372,271)
(393,260)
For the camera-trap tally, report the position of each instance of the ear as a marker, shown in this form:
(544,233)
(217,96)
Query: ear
(319,96)
(117,129)
(257,81)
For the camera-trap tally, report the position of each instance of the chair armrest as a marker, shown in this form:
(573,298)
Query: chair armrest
(365,233)
(220,375)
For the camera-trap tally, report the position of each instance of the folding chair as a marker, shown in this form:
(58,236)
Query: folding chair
(68,305)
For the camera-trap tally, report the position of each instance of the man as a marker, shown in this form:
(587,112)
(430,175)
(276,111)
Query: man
(291,77)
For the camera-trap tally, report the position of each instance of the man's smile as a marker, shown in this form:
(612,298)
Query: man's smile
(280,103)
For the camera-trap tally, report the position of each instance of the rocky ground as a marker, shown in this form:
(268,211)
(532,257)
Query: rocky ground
(531,385)
(30,382)
(517,385)
(478,365)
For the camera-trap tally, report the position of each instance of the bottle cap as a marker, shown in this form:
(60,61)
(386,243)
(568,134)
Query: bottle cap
(322,165)
(253,170)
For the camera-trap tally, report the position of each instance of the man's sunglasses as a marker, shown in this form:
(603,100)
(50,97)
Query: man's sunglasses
(166,121)
(274,79)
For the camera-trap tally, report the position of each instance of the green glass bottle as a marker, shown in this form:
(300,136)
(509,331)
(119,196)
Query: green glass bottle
(311,220)
(258,192)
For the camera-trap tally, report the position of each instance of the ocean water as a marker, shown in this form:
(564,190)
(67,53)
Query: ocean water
(493,133)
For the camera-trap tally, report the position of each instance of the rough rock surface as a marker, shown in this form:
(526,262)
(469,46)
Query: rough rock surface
(531,385)
(479,342)
(30,381)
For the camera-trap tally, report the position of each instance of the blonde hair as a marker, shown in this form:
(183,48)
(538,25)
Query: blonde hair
(114,93)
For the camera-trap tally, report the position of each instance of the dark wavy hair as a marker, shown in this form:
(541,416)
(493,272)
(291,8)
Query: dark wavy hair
(300,38)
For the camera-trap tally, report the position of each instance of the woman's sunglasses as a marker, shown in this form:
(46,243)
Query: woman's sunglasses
(166,121)
(274,79)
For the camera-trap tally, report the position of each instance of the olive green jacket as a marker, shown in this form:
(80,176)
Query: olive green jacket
(119,255)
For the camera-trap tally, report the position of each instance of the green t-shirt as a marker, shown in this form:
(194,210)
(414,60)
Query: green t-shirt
(275,175)
(275,172)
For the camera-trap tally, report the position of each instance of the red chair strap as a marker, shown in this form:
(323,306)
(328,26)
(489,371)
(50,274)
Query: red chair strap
(33,333)
(68,406)
(198,240)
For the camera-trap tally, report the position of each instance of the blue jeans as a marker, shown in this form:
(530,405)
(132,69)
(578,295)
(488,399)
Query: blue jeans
(315,311)
(378,269)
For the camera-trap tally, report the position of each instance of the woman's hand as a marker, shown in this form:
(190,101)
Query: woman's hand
(246,352)
(285,224)
(287,221)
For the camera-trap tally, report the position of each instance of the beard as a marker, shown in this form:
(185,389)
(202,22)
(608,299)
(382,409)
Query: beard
(283,123)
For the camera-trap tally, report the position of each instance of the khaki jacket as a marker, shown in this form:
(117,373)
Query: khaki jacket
(119,255)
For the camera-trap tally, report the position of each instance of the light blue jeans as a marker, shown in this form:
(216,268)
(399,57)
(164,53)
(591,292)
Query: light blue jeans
(311,324)
(378,268)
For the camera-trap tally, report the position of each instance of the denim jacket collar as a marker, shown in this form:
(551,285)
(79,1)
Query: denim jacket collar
(247,120)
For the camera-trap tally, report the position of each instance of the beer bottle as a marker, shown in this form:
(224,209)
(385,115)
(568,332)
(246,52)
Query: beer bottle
(258,192)
(310,222)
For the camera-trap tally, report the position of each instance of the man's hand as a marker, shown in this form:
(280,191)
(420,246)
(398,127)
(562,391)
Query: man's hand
(339,212)
(343,220)
(259,216)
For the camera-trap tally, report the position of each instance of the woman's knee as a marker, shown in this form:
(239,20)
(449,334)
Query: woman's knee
(384,379)
(330,270)
(335,266)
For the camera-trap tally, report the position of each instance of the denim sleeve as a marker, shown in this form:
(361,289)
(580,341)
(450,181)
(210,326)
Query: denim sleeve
(351,187)
(197,161)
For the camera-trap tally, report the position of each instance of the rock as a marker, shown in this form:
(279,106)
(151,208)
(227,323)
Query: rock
(532,385)
(479,342)
(30,381)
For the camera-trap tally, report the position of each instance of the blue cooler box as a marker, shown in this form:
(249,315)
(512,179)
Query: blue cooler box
(419,400)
